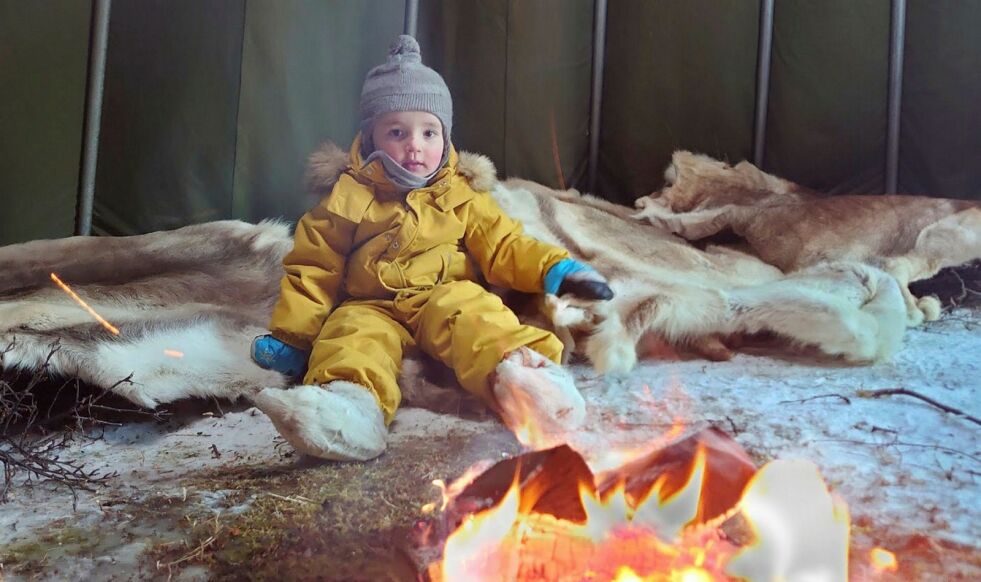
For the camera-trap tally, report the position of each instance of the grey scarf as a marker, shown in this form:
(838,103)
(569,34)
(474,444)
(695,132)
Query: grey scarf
(404,180)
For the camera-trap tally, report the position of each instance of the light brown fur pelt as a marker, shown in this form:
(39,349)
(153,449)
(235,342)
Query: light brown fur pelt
(666,287)
(791,227)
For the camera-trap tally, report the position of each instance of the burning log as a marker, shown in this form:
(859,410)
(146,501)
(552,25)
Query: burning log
(549,481)
(727,471)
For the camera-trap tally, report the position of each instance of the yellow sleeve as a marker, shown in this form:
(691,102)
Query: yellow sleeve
(314,272)
(507,256)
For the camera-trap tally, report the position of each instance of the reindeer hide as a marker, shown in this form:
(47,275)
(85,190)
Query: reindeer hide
(791,227)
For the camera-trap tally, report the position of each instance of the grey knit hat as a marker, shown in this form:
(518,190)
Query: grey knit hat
(403,83)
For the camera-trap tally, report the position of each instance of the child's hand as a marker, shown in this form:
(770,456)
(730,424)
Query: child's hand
(579,279)
(586,288)
(272,354)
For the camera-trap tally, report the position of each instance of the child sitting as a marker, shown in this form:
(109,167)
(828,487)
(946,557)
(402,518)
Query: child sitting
(390,260)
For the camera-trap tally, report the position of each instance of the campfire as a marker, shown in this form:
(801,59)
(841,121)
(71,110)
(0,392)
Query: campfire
(693,510)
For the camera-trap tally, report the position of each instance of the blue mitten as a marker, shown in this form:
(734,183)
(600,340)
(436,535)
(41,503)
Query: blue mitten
(579,279)
(272,354)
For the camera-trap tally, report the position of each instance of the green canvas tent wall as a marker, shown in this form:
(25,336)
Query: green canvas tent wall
(210,108)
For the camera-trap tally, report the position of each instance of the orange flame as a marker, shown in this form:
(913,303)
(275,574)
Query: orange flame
(474,540)
(529,432)
(449,492)
(84,305)
(173,353)
(528,435)
(458,485)
(883,560)
(609,460)
(431,507)
(621,539)
(668,515)
(657,538)
(693,574)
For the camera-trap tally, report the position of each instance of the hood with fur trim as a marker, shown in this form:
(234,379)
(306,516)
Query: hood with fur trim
(328,162)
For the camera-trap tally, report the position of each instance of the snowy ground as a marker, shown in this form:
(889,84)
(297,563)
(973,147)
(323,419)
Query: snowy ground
(904,467)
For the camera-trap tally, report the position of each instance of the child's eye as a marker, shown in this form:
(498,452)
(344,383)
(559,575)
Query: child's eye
(431,133)
(396,133)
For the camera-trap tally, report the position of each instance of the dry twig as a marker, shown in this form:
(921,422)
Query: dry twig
(27,443)
(296,499)
(195,553)
(960,297)
(803,400)
(965,293)
(915,394)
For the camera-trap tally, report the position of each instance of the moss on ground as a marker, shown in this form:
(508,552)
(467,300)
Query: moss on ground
(333,521)
(31,558)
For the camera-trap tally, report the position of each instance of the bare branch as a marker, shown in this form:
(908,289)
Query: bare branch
(803,400)
(914,394)
(33,437)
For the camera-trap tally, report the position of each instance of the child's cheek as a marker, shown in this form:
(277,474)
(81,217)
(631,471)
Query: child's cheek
(434,155)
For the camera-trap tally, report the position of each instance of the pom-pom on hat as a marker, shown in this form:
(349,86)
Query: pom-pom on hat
(403,83)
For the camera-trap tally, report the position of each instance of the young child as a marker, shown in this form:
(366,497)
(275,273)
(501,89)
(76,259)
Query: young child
(390,260)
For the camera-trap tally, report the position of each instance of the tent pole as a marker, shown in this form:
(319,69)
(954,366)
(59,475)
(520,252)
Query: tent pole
(596,98)
(98,42)
(410,23)
(764,51)
(897,40)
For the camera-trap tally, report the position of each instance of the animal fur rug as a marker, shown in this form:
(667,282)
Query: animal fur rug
(188,302)
(791,227)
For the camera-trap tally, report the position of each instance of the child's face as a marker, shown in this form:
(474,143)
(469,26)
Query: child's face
(414,139)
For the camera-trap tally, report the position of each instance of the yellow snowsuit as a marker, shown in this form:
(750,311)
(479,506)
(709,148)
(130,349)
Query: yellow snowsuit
(373,272)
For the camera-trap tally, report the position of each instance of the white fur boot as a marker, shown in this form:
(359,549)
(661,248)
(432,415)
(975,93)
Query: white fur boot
(533,390)
(340,421)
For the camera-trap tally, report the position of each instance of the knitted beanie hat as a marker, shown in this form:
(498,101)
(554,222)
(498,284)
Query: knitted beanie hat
(403,83)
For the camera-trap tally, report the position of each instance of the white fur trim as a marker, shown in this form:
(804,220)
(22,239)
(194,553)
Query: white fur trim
(340,421)
(325,165)
(930,306)
(531,388)
(479,170)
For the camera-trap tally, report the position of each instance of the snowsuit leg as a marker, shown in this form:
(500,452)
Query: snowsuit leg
(362,343)
(471,330)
